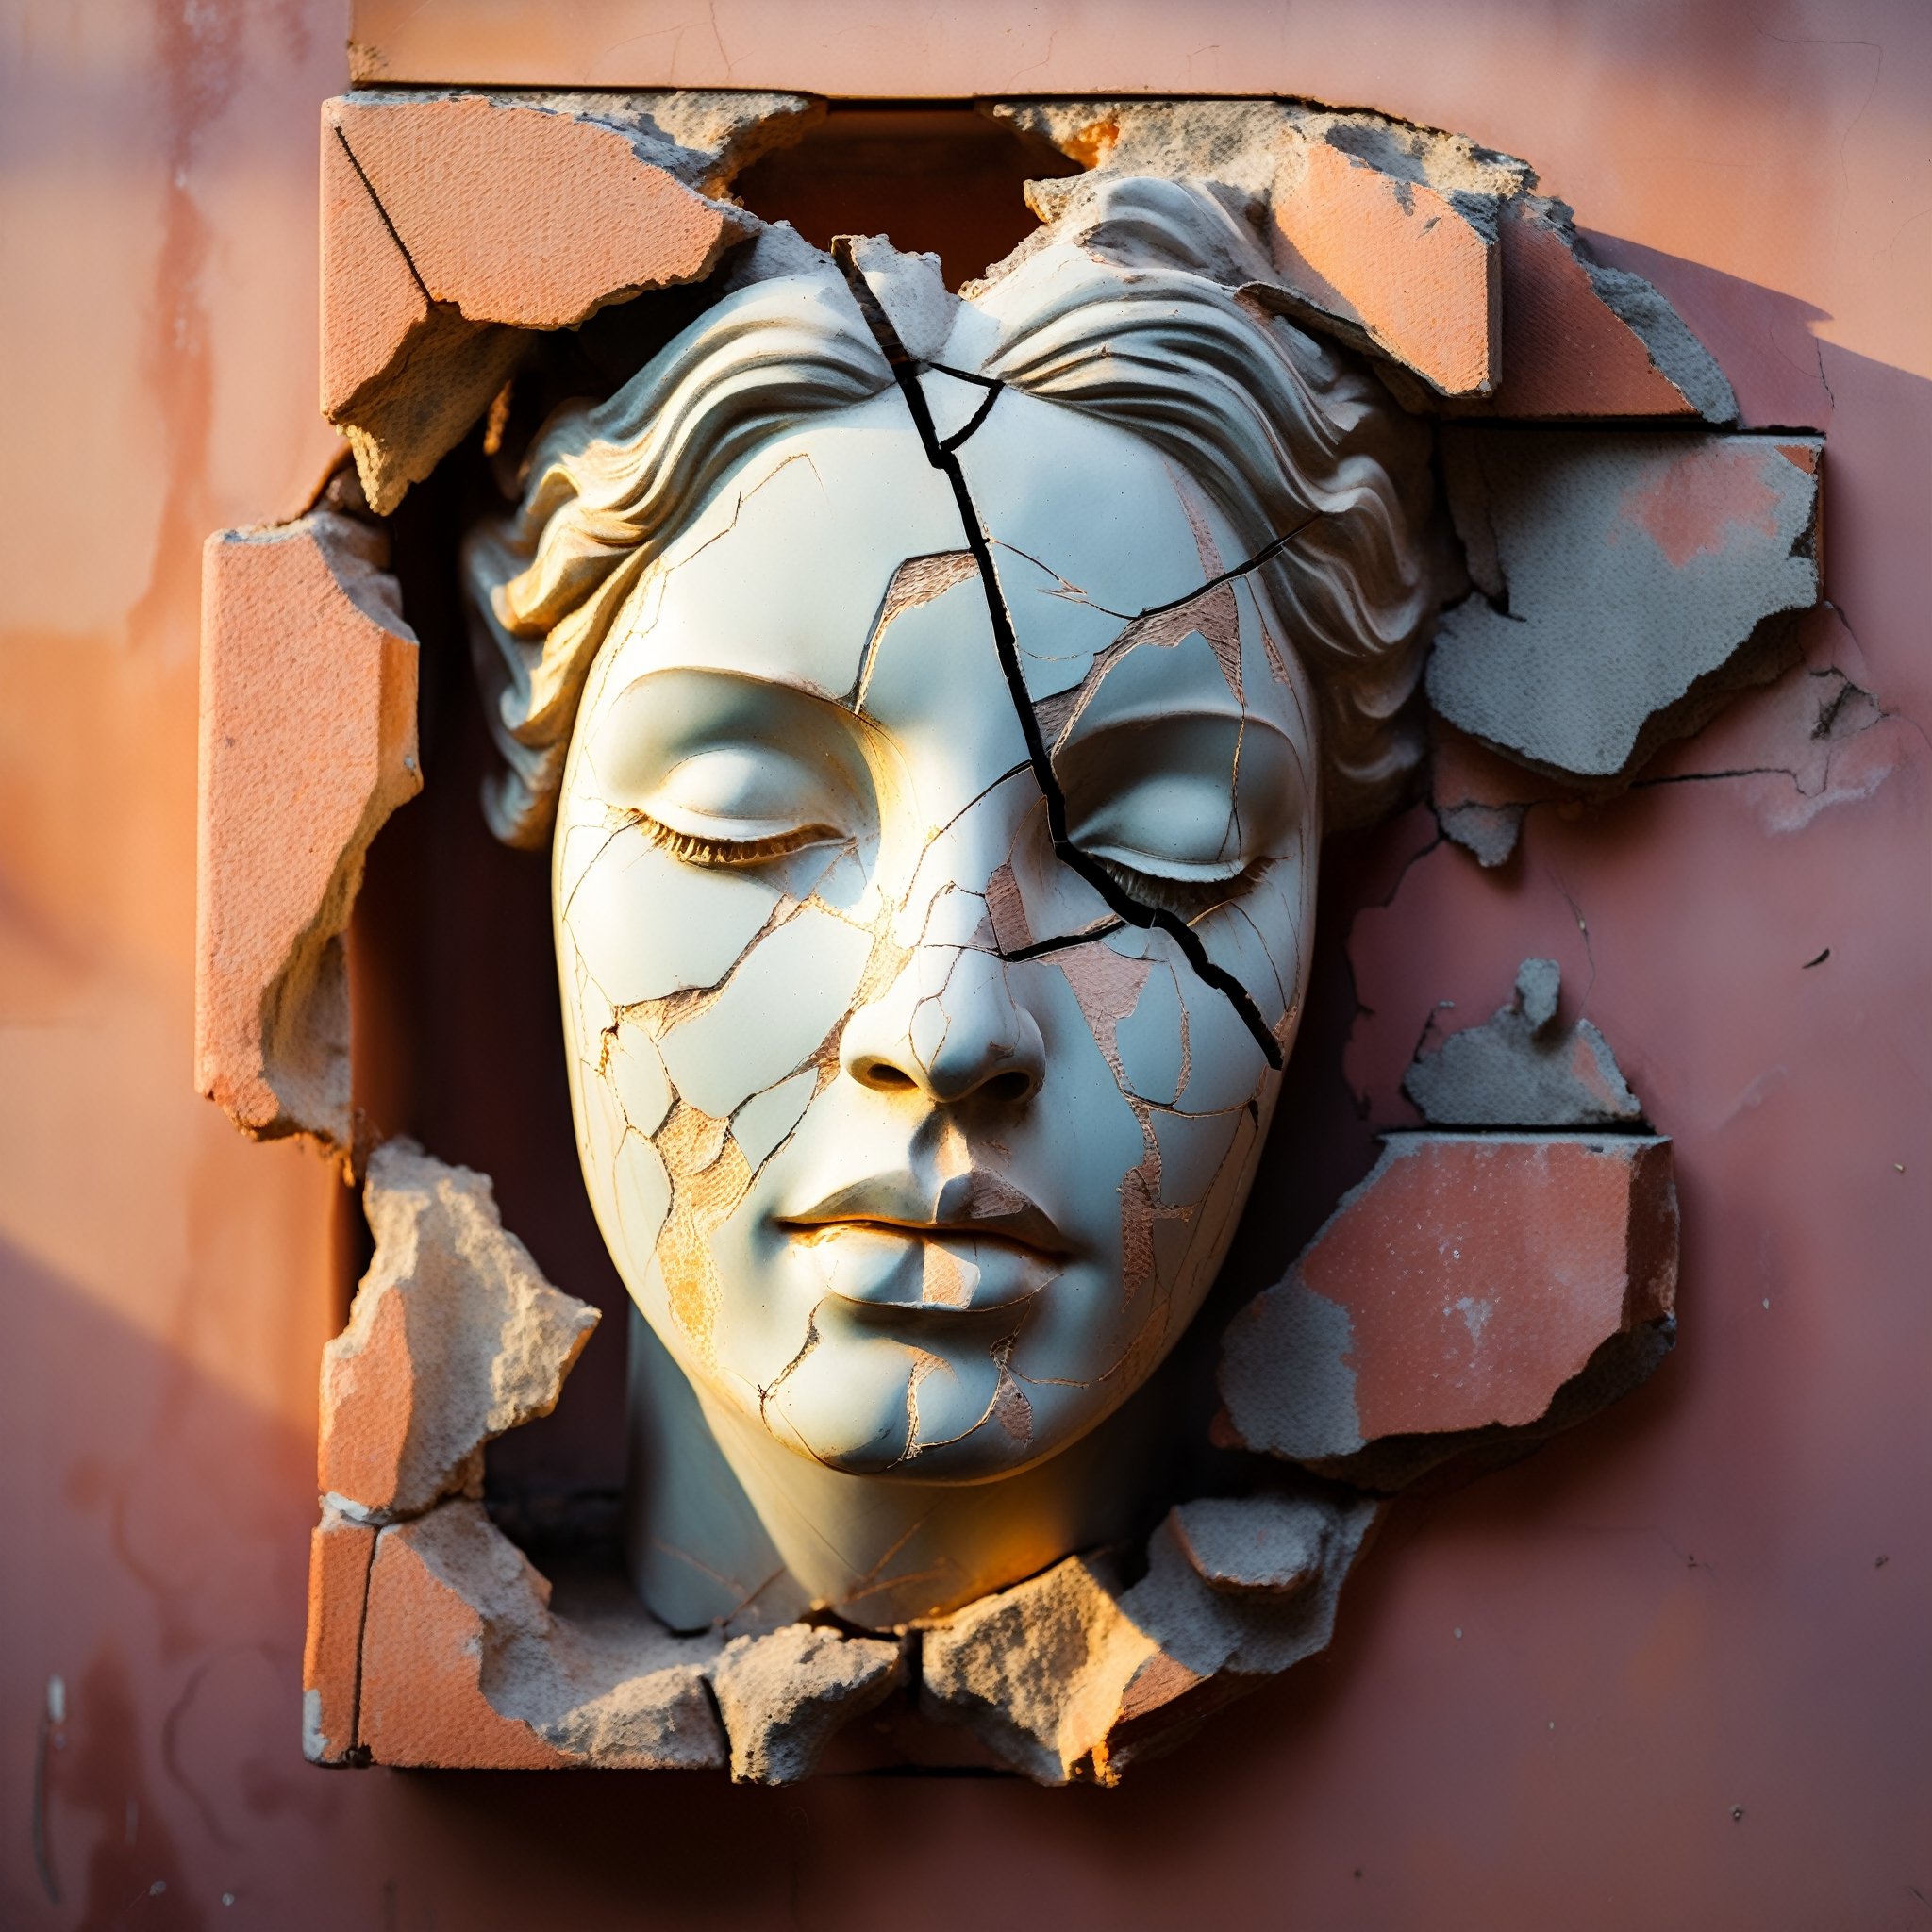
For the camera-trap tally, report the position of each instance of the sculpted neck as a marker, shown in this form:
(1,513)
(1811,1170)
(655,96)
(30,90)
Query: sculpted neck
(724,1520)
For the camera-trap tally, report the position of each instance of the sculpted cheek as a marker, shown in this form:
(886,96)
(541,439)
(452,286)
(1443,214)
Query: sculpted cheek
(783,1001)
(646,927)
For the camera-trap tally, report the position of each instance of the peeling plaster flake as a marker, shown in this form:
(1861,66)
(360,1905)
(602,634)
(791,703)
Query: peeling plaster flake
(307,745)
(784,1696)
(721,1056)
(1558,1244)
(465,1665)
(1286,1376)
(1636,566)
(1358,230)
(455,221)
(1520,1069)
(1226,141)
(1268,1545)
(1581,340)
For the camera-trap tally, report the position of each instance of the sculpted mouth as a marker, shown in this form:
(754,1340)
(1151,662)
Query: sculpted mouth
(976,1206)
(886,1243)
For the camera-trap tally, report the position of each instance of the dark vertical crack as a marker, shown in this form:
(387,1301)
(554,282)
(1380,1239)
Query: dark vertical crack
(943,457)
(357,1752)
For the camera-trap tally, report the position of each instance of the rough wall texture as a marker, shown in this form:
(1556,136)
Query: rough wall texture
(1670,1672)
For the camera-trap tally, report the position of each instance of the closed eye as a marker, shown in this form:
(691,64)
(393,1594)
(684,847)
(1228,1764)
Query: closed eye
(697,848)
(1188,899)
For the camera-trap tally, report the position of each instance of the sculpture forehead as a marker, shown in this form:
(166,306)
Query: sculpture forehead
(789,568)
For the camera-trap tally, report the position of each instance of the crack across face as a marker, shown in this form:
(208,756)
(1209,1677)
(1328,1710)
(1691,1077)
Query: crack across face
(932,919)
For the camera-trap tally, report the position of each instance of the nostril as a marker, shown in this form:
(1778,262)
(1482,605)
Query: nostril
(882,1074)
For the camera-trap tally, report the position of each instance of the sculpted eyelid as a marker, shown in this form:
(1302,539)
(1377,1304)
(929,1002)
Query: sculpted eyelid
(695,849)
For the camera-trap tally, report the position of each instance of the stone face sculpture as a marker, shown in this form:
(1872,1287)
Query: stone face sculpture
(939,703)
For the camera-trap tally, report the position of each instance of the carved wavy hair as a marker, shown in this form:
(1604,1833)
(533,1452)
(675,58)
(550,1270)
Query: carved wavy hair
(1152,323)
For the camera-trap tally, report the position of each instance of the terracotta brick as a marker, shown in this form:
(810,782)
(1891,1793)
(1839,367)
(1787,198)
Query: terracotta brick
(1580,339)
(465,1665)
(527,214)
(452,223)
(423,1649)
(308,744)
(1414,265)
(339,1553)
(1460,1286)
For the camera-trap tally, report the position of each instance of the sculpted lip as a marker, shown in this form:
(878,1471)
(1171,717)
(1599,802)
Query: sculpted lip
(892,1247)
(976,1206)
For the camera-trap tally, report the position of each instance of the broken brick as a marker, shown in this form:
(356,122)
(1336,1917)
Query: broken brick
(339,1553)
(784,1694)
(1459,1287)
(1580,339)
(451,222)
(454,1337)
(1625,579)
(308,744)
(1520,1068)
(465,1666)
(1415,265)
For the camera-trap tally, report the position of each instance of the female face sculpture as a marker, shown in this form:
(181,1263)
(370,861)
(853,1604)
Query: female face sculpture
(935,847)
(917,1142)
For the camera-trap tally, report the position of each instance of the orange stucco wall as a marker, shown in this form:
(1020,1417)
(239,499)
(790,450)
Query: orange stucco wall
(1670,1672)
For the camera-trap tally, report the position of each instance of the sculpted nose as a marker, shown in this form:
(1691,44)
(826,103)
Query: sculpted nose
(967,1037)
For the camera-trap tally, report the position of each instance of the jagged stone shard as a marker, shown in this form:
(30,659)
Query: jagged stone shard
(308,744)
(1520,1068)
(465,1665)
(1068,1676)
(453,221)
(783,1695)
(454,1337)
(1627,581)
(1458,1287)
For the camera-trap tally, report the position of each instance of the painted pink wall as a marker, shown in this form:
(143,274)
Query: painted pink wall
(1551,1692)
